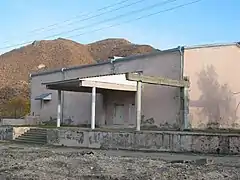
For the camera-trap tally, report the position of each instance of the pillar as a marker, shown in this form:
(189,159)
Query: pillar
(185,108)
(93,112)
(59,108)
(138,105)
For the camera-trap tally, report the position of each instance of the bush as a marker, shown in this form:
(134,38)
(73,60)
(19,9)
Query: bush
(16,107)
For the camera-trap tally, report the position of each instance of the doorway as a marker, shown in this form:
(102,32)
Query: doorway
(118,118)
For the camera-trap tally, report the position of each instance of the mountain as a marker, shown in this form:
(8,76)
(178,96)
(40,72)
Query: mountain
(16,65)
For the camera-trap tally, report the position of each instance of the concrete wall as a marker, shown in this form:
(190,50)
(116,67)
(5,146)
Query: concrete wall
(147,140)
(29,120)
(111,98)
(215,88)
(6,133)
(160,104)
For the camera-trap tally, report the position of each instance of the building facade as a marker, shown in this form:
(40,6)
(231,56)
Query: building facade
(161,106)
(214,91)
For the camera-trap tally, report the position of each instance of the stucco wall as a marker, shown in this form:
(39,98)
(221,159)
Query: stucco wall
(147,140)
(215,88)
(161,104)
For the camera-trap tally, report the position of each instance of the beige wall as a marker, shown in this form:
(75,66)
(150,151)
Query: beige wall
(162,104)
(214,93)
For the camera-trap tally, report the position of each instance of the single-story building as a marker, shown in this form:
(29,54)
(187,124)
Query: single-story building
(214,93)
(72,91)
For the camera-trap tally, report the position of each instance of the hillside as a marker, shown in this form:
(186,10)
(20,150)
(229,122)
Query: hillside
(16,65)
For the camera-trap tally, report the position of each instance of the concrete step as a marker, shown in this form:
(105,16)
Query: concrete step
(38,130)
(35,133)
(33,137)
(29,141)
(36,136)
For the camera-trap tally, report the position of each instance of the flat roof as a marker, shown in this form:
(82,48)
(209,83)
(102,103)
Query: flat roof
(212,45)
(86,84)
(128,58)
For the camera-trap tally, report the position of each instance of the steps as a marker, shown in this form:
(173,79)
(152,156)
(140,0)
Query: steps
(33,136)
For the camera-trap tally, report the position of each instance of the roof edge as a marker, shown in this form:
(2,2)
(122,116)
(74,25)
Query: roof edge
(157,52)
(212,45)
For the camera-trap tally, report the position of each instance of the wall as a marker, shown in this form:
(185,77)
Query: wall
(49,108)
(215,89)
(159,104)
(6,133)
(10,132)
(119,97)
(147,140)
(17,122)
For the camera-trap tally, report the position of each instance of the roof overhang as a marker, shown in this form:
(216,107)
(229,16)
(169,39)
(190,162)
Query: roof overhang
(44,97)
(81,85)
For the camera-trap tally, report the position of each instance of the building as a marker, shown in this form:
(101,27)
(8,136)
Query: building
(115,96)
(214,93)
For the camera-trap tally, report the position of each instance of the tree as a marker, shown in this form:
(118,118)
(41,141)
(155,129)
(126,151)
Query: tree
(17,107)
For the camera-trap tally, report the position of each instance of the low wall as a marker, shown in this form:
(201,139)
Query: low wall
(150,141)
(28,120)
(6,133)
(10,133)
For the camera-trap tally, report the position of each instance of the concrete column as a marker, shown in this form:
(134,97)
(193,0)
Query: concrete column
(93,108)
(59,108)
(185,108)
(138,105)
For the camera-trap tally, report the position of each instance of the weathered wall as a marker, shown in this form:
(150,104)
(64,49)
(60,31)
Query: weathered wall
(146,140)
(111,98)
(29,120)
(10,132)
(215,88)
(6,133)
(50,108)
(159,104)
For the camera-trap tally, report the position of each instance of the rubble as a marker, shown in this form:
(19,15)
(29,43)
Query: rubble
(46,163)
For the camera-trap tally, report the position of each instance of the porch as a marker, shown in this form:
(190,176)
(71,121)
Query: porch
(120,99)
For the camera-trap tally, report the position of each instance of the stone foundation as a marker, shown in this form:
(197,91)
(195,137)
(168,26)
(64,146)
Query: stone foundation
(217,143)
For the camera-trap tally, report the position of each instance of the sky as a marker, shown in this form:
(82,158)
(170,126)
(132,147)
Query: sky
(204,22)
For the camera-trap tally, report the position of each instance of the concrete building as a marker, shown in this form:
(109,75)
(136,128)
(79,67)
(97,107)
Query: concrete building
(214,93)
(72,91)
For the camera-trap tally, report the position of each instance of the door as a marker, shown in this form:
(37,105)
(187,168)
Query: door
(118,118)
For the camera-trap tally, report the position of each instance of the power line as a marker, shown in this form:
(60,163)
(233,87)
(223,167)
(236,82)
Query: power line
(75,17)
(100,14)
(97,23)
(114,18)
(114,25)
(80,15)
(136,19)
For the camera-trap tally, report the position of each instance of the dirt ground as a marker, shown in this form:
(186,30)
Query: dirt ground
(46,163)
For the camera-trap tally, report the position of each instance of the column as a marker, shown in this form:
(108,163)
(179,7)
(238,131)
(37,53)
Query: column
(185,108)
(138,105)
(59,109)
(93,108)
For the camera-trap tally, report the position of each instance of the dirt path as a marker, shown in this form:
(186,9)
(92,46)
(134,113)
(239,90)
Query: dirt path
(46,163)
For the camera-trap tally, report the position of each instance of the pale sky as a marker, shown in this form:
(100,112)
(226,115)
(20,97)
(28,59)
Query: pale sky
(207,21)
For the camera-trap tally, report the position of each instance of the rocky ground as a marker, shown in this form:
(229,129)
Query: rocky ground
(46,163)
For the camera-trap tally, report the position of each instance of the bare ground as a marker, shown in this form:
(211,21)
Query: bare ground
(46,163)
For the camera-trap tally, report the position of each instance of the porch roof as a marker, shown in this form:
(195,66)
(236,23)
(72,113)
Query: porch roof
(86,84)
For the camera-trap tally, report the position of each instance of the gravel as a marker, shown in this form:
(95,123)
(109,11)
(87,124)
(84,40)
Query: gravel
(20,162)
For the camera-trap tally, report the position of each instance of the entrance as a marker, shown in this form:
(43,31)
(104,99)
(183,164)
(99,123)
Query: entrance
(118,118)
